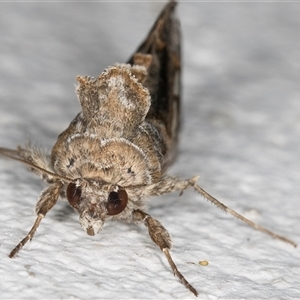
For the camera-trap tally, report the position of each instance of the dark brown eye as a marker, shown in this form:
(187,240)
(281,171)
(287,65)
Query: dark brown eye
(73,194)
(117,202)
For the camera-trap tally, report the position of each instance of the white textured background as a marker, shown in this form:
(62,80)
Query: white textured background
(241,109)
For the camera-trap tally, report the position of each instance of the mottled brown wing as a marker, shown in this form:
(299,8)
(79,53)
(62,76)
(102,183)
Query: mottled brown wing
(163,81)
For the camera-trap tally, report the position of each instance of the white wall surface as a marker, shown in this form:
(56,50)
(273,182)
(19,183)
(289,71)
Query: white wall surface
(241,134)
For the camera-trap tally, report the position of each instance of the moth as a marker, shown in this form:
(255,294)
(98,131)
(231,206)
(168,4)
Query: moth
(115,153)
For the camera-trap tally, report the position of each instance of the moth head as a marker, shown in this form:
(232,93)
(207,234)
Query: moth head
(95,205)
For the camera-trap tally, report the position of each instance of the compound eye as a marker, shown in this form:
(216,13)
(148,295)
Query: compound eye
(117,201)
(74,195)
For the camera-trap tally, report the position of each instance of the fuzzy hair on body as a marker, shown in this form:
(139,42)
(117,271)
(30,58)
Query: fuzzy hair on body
(115,153)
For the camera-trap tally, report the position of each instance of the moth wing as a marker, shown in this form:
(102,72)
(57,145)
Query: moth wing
(163,79)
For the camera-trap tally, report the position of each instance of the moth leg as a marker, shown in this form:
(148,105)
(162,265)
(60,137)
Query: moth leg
(161,237)
(171,184)
(254,225)
(46,201)
(28,237)
(37,162)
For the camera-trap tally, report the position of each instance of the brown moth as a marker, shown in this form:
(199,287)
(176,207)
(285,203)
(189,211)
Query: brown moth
(116,151)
